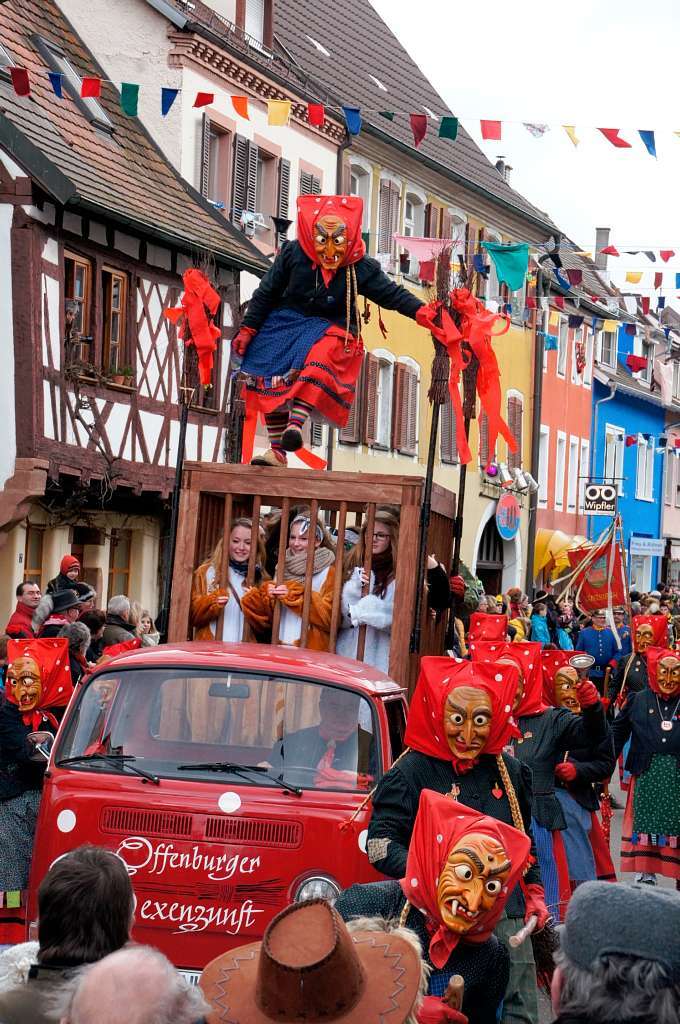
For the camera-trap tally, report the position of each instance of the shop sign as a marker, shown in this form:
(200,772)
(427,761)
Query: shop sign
(599,499)
(507,516)
(651,546)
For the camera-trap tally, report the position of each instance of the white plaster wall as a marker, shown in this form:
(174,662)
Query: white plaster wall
(8,448)
(107,29)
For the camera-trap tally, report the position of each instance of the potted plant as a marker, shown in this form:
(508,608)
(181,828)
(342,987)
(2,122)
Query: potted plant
(116,375)
(129,375)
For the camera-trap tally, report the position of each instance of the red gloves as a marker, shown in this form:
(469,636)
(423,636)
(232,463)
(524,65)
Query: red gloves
(242,340)
(587,694)
(566,771)
(434,1010)
(457,584)
(534,897)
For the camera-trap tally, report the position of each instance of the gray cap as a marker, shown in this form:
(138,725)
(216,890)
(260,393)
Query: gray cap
(632,920)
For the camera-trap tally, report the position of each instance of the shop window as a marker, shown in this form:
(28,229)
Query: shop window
(33,554)
(119,562)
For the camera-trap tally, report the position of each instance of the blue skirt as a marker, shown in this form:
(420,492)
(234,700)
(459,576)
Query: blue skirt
(283,343)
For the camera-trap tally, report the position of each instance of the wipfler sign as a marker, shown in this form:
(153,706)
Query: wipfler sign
(599,499)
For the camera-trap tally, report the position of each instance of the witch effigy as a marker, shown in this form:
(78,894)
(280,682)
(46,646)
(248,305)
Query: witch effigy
(461,867)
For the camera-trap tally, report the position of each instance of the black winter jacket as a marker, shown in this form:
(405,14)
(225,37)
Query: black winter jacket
(292,282)
(641,721)
(395,805)
(630,672)
(18,773)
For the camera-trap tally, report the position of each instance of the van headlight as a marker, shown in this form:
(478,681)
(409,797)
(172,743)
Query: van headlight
(319,887)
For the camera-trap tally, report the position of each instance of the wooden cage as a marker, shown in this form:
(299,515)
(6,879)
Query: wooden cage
(214,495)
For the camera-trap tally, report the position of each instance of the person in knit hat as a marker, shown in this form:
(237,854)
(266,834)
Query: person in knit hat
(69,571)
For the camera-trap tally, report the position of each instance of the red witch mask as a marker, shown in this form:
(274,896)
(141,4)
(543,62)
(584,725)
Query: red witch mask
(526,656)
(460,710)
(663,669)
(486,626)
(38,678)
(649,631)
(560,681)
(461,867)
(329,231)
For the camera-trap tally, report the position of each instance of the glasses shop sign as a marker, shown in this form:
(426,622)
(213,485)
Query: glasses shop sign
(599,499)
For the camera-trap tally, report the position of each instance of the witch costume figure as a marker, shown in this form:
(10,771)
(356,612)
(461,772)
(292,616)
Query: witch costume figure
(630,674)
(459,723)
(461,867)
(577,776)
(37,689)
(300,338)
(545,734)
(650,718)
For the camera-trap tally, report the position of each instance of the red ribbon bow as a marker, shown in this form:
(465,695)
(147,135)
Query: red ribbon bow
(196,329)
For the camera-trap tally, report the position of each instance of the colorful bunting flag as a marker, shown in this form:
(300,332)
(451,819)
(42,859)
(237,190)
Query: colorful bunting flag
(635,363)
(418,127)
(634,276)
(610,250)
(316,114)
(575,321)
(531,302)
(240,105)
(491,130)
(660,302)
(575,276)
(559,301)
(91,88)
(129,98)
(544,302)
(56,81)
(554,319)
(631,439)
(537,130)
(278,112)
(677,280)
(658,279)
(550,343)
(20,82)
(630,302)
(426,271)
(666,254)
(631,329)
(352,120)
(570,129)
(168,97)
(388,114)
(448,128)
(648,140)
(610,325)
(645,303)
(650,255)
(612,135)
(204,99)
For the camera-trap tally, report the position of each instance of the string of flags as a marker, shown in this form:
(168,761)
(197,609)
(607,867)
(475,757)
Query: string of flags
(279,112)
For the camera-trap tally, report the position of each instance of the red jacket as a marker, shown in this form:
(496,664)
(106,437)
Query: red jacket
(20,626)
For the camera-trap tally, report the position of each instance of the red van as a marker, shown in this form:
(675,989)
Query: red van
(204,766)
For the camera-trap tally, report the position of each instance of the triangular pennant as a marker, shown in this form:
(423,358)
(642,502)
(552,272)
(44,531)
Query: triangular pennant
(20,81)
(204,99)
(612,135)
(575,276)
(610,250)
(559,301)
(316,114)
(570,129)
(537,130)
(168,97)
(448,128)
(278,112)
(650,255)
(634,276)
(56,81)
(387,114)
(645,302)
(419,129)
(352,120)
(658,279)
(491,130)
(648,140)
(129,98)
(240,105)
(91,88)
(666,254)
(660,302)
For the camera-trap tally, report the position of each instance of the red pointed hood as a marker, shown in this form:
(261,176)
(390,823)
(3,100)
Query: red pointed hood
(349,208)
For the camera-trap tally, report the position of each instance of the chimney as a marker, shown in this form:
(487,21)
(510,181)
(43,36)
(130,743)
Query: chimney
(503,168)
(601,242)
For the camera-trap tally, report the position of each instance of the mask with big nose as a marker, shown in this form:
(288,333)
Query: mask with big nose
(668,676)
(644,636)
(472,880)
(467,721)
(566,693)
(330,241)
(26,679)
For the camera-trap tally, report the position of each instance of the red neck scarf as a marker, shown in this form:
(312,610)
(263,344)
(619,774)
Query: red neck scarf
(527,656)
(349,208)
(551,663)
(659,624)
(438,677)
(52,659)
(654,655)
(487,626)
(439,825)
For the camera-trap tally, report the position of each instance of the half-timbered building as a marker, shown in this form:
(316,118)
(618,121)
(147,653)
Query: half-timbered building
(96,228)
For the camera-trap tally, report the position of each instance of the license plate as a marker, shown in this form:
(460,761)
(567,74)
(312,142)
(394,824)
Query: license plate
(192,977)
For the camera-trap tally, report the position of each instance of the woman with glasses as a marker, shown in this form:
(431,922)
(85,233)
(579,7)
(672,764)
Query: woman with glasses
(259,602)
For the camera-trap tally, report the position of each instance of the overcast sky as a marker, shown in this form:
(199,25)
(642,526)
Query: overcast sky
(590,63)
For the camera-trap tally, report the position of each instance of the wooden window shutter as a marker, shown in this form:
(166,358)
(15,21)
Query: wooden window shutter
(448,445)
(398,407)
(239,201)
(447,224)
(384,217)
(371,393)
(432,221)
(481,280)
(352,433)
(310,185)
(515,424)
(205,156)
(394,214)
(316,434)
(405,410)
(411,430)
(484,454)
(283,195)
(316,185)
(252,178)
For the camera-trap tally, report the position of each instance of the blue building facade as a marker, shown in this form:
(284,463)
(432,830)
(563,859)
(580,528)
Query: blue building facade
(626,407)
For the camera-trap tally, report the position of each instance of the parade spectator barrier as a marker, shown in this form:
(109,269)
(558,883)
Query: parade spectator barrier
(214,495)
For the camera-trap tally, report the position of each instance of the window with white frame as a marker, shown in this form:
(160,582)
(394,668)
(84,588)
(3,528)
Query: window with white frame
(676,380)
(384,395)
(608,349)
(458,229)
(560,462)
(588,369)
(414,225)
(72,82)
(644,474)
(572,478)
(583,474)
(641,348)
(577,351)
(669,461)
(614,447)
(493,285)
(562,347)
(360,185)
(677,486)
(543,463)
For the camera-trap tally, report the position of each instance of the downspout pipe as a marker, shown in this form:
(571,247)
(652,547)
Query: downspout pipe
(593,454)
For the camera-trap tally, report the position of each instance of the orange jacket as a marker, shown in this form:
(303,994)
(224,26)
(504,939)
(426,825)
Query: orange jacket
(204,608)
(258,608)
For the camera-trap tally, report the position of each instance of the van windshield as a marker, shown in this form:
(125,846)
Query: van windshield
(205,724)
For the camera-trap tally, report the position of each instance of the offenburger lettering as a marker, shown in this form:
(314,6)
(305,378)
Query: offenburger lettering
(157,859)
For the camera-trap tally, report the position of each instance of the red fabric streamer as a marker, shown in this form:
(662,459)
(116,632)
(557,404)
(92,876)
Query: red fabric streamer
(491,130)
(418,127)
(196,329)
(531,302)
(91,88)
(666,254)
(20,81)
(636,363)
(316,114)
(612,135)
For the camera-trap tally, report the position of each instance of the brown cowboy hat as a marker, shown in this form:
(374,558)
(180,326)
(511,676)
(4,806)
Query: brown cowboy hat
(309,968)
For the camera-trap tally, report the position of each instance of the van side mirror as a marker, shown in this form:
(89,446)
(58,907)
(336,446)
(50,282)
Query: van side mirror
(43,742)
